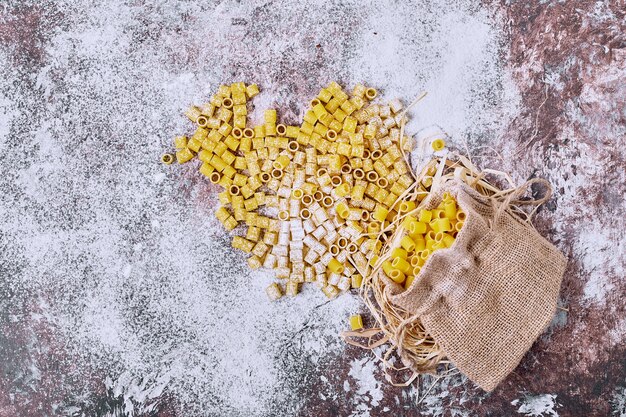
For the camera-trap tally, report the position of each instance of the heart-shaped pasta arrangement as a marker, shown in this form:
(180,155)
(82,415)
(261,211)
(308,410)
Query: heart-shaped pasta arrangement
(313,198)
(448,263)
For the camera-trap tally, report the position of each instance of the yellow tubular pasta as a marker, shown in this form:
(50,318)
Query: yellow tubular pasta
(352,248)
(252,90)
(308,188)
(349,124)
(180,142)
(356,322)
(450,210)
(234,190)
(336,179)
(401,264)
(184,155)
(305,213)
(310,117)
(207,109)
(253,234)
(230,223)
(237,88)
(409,280)
(358,90)
(327,201)
(227,102)
(240,110)
(297,193)
(407,243)
(274,292)
(254,262)
(344,149)
(167,158)
(407,206)
(324,95)
(277,173)
(342,190)
(232,143)
(332,105)
(224,197)
(281,162)
(292,132)
(246,191)
(319,110)
(192,113)
(293,146)
(417,228)
(215,177)
(371,93)
(372,176)
(335,266)
(238,98)
(222,214)
(307,128)
(225,182)
(397,275)
(320,129)
(281,129)
(390,199)
(250,204)
(342,210)
(239,121)
(270,116)
(380,213)
(425,216)
(409,223)
(438,145)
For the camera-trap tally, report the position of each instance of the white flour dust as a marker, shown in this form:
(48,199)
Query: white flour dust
(618,402)
(368,390)
(537,405)
(123,256)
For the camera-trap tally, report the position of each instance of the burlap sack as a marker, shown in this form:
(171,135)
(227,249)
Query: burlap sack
(487,298)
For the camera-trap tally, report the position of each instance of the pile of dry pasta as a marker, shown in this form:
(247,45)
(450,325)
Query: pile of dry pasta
(315,198)
(335,202)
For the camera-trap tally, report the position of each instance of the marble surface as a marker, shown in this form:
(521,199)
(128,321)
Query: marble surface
(119,294)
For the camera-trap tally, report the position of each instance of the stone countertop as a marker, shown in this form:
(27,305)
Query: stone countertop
(118,292)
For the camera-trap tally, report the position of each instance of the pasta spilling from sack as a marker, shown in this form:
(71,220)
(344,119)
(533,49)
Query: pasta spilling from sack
(423,233)
(448,263)
(313,197)
(483,301)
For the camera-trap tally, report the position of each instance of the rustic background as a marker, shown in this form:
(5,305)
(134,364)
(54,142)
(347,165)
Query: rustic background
(118,293)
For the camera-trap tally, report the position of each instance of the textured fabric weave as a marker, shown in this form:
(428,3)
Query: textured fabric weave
(487,298)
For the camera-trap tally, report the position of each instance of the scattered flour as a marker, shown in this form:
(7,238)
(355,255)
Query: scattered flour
(450,54)
(542,405)
(368,380)
(618,402)
(123,255)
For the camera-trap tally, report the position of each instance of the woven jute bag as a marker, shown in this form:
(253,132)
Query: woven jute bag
(487,298)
